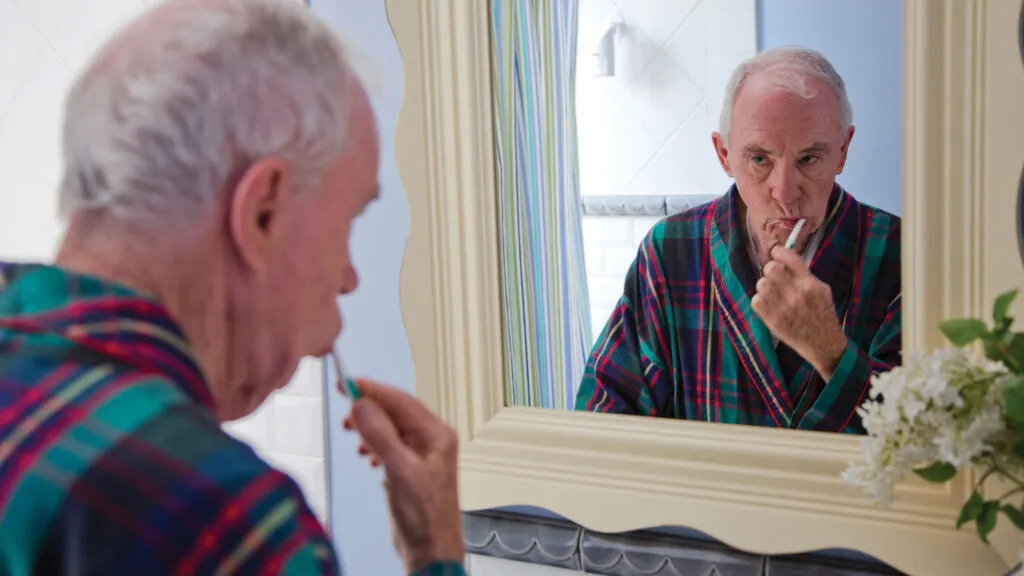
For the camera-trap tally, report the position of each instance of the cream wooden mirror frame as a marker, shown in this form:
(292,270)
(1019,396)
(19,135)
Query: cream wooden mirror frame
(761,490)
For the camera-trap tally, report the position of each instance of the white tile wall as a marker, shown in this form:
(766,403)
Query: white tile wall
(647,129)
(289,431)
(609,245)
(43,44)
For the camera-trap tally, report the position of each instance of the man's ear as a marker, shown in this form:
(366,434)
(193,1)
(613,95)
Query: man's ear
(256,209)
(722,152)
(844,150)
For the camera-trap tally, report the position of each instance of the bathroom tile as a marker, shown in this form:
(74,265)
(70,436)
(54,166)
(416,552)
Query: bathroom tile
(661,99)
(44,14)
(605,292)
(33,120)
(307,380)
(298,425)
(599,316)
(634,50)
(732,27)
(87,24)
(255,429)
(688,46)
(20,46)
(606,231)
(620,260)
(44,247)
(657,18)
(593,16)
(20,219)
(593,257)
(641,226)
(309,474)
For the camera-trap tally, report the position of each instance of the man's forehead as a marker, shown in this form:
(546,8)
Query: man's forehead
(763,94)
(804,123)
(768,146)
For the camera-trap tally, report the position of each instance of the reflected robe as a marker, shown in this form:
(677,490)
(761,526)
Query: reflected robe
(684,342)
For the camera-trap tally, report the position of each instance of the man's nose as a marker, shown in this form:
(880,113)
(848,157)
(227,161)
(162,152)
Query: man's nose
(351,281)
(785,183)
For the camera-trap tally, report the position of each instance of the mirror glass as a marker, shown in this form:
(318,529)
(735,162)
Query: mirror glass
(699,206)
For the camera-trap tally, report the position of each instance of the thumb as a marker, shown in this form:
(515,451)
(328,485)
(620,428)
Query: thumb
(378,431)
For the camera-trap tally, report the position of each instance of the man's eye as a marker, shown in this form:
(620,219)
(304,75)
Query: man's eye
(758,159)
(808,160)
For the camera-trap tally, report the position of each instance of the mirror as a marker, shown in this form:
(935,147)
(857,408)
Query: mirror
(639,225)
(1020,188)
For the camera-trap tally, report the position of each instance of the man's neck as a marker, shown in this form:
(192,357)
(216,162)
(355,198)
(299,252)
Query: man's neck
(174,280)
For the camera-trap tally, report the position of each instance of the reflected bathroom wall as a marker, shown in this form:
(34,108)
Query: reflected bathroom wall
(645,129)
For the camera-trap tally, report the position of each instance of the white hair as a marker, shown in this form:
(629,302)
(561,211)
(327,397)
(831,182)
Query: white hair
(179,104)
(790,67)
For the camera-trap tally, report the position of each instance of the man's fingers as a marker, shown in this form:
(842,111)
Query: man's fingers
(380,436)
(769,290)
(792,261)
(407,413)
(757,303)
(776,269)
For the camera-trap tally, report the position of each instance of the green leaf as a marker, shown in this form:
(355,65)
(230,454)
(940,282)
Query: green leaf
(971,510)
(963,331)
(1015,515)
(1016,351)
(1013,401)
(987,519)
(937,472)
(1002,306)
(1007,348)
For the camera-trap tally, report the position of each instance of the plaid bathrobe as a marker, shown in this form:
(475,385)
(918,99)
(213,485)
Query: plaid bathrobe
(684,342)
(111,458)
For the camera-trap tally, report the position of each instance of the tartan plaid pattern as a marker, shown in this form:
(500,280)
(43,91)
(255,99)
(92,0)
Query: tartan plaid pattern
(684,342)
(111,459)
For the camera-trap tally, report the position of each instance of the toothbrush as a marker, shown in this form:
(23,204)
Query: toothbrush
(795,234)
(345,384)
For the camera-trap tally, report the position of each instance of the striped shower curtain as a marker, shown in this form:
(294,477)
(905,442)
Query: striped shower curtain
(546,306)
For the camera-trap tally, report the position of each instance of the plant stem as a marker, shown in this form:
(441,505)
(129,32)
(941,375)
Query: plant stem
(1011,493)
(992,468)
(1005,353)
(1004,473)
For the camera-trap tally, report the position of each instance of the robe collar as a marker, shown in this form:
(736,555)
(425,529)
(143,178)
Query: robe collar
(734,277)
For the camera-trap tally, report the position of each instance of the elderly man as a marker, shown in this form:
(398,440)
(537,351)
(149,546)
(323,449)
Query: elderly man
(719,321)
(216,152)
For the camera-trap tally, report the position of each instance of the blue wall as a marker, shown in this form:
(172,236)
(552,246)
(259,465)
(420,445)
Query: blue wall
(373,342)
(864,41)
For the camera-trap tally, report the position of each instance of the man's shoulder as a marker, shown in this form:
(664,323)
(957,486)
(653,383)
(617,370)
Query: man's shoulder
(880,216)
(184,443)
(112,417)
(882,231)
(132,457)
(152,471)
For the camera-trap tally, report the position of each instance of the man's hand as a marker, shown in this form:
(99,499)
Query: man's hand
(798,308)
(419,453)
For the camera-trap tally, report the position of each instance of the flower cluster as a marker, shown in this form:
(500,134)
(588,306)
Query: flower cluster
(942,407)
(948,410)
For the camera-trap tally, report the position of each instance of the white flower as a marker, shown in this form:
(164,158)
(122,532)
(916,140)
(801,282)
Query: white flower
(945,406)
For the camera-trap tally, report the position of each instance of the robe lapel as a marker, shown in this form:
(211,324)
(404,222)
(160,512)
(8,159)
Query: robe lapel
(836,259)
(834,263)
(733,280)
